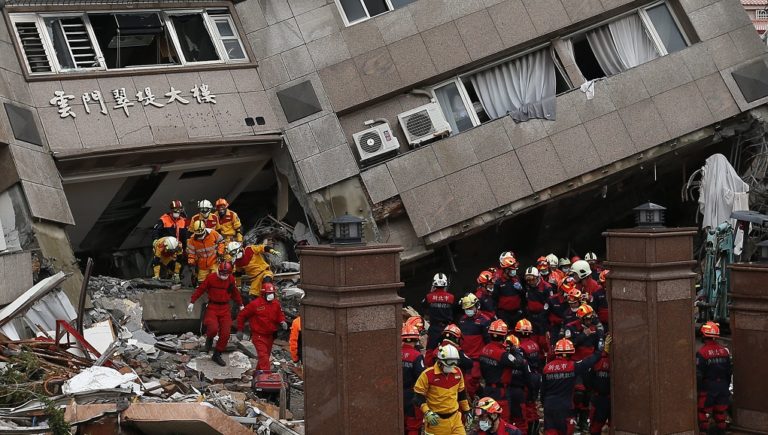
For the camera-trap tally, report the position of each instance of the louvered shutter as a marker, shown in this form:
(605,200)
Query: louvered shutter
(32,46)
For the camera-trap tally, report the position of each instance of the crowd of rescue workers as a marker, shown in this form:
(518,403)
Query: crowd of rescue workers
(482,363)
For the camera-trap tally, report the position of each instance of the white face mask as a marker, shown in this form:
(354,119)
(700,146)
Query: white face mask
(545,272)
(223,277)
(175,215)
(270,297)
(470,313)
(565,270)
(484,425)
(448,369)
(240,255)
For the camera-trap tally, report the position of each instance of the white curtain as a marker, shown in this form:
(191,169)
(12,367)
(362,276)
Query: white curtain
(524,87)
(602,45)
(632,42)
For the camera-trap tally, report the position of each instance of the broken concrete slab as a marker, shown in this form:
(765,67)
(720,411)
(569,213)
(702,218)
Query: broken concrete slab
(237,364)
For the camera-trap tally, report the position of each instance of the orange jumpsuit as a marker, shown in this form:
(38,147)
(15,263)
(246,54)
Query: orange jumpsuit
(295,340)
(203,253)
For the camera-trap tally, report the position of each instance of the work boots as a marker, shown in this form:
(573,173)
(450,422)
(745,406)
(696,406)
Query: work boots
(208,344)
(218,359)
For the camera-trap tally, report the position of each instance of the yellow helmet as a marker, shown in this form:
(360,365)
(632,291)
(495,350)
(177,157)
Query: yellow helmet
(198,228)
(468,301)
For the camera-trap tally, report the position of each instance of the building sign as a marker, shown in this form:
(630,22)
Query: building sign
(121,101)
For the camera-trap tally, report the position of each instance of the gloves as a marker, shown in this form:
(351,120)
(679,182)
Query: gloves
(239,335)
(283,326)
(190,308)
(431,418)
(176,278)
(275,252)
(607,345)
(241,307)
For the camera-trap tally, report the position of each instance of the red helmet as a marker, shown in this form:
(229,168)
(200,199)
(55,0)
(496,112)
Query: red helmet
(485,277)
(498,327)
(710,329)
(564,347)
(267,288)
(176,204)
(225,268)
(409,332)
(524,326)
(568,285)
(221,202)
(453,331)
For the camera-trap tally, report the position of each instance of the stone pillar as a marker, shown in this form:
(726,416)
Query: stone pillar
(351,320)
(749,332)
(651,290)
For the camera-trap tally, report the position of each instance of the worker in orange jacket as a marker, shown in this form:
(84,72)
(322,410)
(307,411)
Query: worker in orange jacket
(173,223)
(204,249)
(250,260)
(229,223)
(295,340)
(211,219)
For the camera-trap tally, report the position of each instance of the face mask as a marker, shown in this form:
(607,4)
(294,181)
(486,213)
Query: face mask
(205,214)
(223,277)
(240,255)
(270,297)
(545,272)
(489,289)
(222,212)
(566,270)
(470,313)
(448,369)
(175,215)
(484,425)
(511,272)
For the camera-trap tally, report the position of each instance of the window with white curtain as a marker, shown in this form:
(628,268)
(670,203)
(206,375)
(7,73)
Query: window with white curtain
(522,87)
(627,42)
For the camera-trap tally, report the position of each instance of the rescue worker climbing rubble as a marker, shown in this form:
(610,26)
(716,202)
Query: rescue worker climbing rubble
(489,420)
(251,262)
(439,393)
(713,378)
(264,315)
(220,289)
(413,365)
(211,220)
(166,251)
(173,223)
(204,249)
(229,223)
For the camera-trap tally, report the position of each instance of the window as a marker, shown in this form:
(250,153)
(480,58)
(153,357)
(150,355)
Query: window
(355,11)
(627,42)
(56,43)
(523,87)
(761,14)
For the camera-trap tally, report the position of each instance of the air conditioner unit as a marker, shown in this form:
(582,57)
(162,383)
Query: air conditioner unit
(377,141)
(423,124)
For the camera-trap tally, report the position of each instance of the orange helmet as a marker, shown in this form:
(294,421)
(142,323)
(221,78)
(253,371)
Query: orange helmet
(524,326)
(542,265)
(508,262)
(485,277)
(564,347)
(409,332)
(415,321)
(584,311)
(498,327)
(710,329)
(221,202)
(573,296)
(453,331)
(512,341)
(603,276)
(487,405)
(568,285)
(176,204)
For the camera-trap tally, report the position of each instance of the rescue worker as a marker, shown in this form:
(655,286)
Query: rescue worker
(294,341)
(229,223)
(220,288)
(439,393)
(413,365)
(418,323)
(564,265)
(165,256)
(265,315)
(204,249)
(173,223)
(557,387)
(535,358)
(252,262)
(489,419)
(496,363)
(474,328)
(440,307)
(582,275)
(508,292)
(591,259)
(599,382)
(484,292)
(713,378)
(451,335)
(205,208)
(557,310)
(537,294)
(556,274)
(519,383)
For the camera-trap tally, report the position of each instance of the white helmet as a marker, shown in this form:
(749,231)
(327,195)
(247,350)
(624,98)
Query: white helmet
(552,260)
(564,262)
(505,254)
(581,269)
(590,256)
(204,204)
(171,244)
(439,280)
(448,352)
(532,271)
(233,247)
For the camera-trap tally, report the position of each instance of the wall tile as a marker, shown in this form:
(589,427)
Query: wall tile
(567,115)
(377,71)
(718,97)
(581,9)
(576,152)
(318,23)
(328,50)
(415,168)
(220,81)
(301,6)
(506,178)
(251,16)
(167,126)
(275,11)
(479,35)
(445,46)
(298,62)
(472,194)
(683,109)
(462,8)
(362,38)
(547,15)
(748,42)
(523,133)
(512,22)
(276,38)
(454,153)
(430,13)
(597,106)
(273,72)
(327,132)
(718,18)
(541,164)
(488,140)
(610,137)
(430,206)
(379,184)
(698,60)
(301,142)
(627,88)
(644,124)
(199,120)
(127,130)
(247,80)
(664,73)
(61,133)
(396,25)
(412,59)
(343,85)
(230,115)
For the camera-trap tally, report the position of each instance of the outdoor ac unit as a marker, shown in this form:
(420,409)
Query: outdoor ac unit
(376,142)
(423,124)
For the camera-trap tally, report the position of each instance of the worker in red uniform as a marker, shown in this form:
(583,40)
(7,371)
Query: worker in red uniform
(556,276)
(557,387)
(413,365)
(713,378)
(440,307)
(496,364)
(265,315)
(591,258)
(474,328)
(173,223)
(535,358)
(220,288)
(519,384)
(599,382)
(509,293)
(537,294)
(557,310)
(484,292)
(489,419)
(451,335)
(582,275)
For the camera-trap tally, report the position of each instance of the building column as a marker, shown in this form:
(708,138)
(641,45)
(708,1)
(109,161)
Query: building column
(351,320)
(651,290)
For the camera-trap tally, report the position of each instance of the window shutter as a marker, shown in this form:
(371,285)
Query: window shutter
(32,45)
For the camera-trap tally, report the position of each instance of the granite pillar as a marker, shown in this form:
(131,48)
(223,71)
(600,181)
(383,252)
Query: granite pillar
(651,290)
(351,320)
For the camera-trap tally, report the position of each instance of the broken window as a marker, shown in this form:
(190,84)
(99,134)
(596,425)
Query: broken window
(355,11)
(194,39)
(133,40)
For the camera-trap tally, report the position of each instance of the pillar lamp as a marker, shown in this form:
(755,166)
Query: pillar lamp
(649,215)
(347,230)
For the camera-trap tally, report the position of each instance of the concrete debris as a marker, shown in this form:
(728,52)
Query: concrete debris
(99,378)
(237,364)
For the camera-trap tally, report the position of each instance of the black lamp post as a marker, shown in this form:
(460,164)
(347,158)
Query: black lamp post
(347,230)
(649,215)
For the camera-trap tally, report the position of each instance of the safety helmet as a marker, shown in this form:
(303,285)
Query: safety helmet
(453,331)
(513,341)
(221,202)
(584,311)
(573,296)
(225,268)
(568,285)
(204,206)
(581,269)
(603,276)
(575,258)
(234,247)
(508,263)
(439,280)
(198,228)
(710,329)
(564,262)
(409,332)
(176,205)
(498,327)
(524,326)
(532,271)
(417,322)
(171,244)
(590,256)
(485,277)
(487,405)
(267,288)
(505,254)
(469,301)
(552,260)
(564,347)
(448,355)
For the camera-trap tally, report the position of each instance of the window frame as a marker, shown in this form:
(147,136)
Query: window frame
(367,17)
(38,18)
(650,29)
(461,88)
(764,14)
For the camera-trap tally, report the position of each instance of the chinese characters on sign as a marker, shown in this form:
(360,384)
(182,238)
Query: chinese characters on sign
(201,94)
